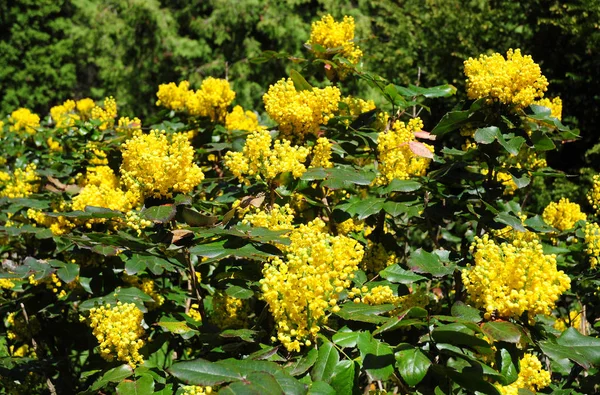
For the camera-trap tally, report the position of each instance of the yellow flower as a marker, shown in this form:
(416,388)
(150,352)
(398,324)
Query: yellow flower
(531,377)
(349,226)
(128,126)
(240,120)
(24,121)
(555,106)
(107,114)
(376,259)
(396,159)
(516,80)
(119,331)
(277,218)
(302,288)
(592,242)
(258,160)
(85,106)
(574,320)
(20,184)
(157,165)
(335,37)
(229,312)
(54,145)
(353,106)
(211,100)
(593,195)
(563,215)
(511,278)
(322,154)
(300,112)
(146,285)
(196,390)
(64,115)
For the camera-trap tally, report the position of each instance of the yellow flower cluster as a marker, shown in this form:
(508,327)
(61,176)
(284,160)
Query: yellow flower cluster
(196,390)
(380,294)
(128,126)
(592,242)
(102,190)
(85,107)
(376,259)
(58,225)
(299,113)
(354,106)
(119,331)
(20,184)
(531,377)
(396,159)
(211,100)
(277,218)
(229,312)
(107,114)
(563,215)
(194,313)
(54,145)
(322,154)
(147,286)
(135,222)
(302,288)
(593,195)
(156,165)
(511,278)
(349,226)
(338,36)
(240,120)
(19,329)
(64,115)
(555,106)
(95,154)
(24,121)
(574,320)
(6,283)
(516,80)
(260,161)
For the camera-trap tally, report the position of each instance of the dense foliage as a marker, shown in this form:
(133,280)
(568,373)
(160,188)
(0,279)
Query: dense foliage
(336,244)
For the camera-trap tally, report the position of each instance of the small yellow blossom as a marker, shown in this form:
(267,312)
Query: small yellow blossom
(237,119)
(303,287)
(54,145)
(511,278)
(24,121)
(593,195)
(376,259)
(322,154)
(258,160)
(349,226)
(531,377)
(128,126)
(516,80)
(157,165)
(64,115)
(276,218)
(396,159)
(119,331)
(146,285)
(196,390)
(574,320)
(229,312)
(20,184)
(563,215)
(300,112)
(84,107)
(555,106)
(592,242)
(107,114)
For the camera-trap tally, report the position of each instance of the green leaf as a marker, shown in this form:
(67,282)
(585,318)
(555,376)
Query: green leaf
(362,208)
(202,372)
(246,335)
(401,186)
(510,220)
(377,357)
(461,310)
(561,354)
(364,312)
(324,366)
(588,347)
(69,272)
(299,82)
(143,385)
(513,145)
(541,142)
(105,250)
(425,262)
(321,388)
(458,334)
(195,218)
(302,363)
(343,378)
(114,375)
(486,135)
(397,274)
(537,224)
(177,327)
(258,383)
(507,367)
(345,338)
(503,331)
(412,365)
(160,214)
(238,292)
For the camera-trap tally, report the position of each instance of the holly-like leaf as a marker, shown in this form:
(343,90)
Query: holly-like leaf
(412,365)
